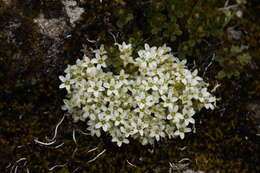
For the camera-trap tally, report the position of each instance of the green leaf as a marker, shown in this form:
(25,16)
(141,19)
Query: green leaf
(124,20)
(244,58)
(221,74)
(236,49)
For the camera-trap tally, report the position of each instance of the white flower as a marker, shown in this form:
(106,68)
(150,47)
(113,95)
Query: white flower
(93,130)
(205,93)
(100,52)
(157,100)
(126,52)
(181,130)
(103,122)
(157,132)
(112,87)
(79,98)
(69,105)
(141,112)
(66,82)
(101,61)
(144,100)
(124,48)
(95,87)
(90,112)
(126,129)
(141,63)
(89,64)
(168,101)
(187,116)
(152,83)
(120,139)
(209,106)
(119,117)
(175,117)
(122,78)
(138,126)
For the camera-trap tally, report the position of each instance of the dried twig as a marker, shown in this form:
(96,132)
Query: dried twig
(184,159)
(74,152)
(57,126)
(75,170)
(114,37)
(183,148)
(210,63)
(91,41)
(58,146)
(215,87)
(74,136)
(95,158)
(21,159)
(131,164)
(84,133)
(53,140)
(44,143)
(25,163)
(93,149)
(15,165)
(229,7)
(178,166)
(57,166)
(8,165)
(12,168)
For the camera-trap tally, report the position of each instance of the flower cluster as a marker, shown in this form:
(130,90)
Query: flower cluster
(155,101)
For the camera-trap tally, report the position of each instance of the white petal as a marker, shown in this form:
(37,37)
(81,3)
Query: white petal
(182,135)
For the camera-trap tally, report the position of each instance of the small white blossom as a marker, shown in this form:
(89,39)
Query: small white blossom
(95,87)
(112,87)
(103,122)
(138,126)
(157,132)
(119,117)
(169,101)
(187,116)
(181,130)
(66,82)
(93,130)
(119,138)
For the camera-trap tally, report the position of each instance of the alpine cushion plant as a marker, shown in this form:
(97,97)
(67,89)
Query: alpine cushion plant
(155,101)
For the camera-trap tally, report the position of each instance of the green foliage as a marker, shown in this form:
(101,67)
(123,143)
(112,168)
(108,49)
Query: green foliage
(124,17)
(196,30)
(233,61)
